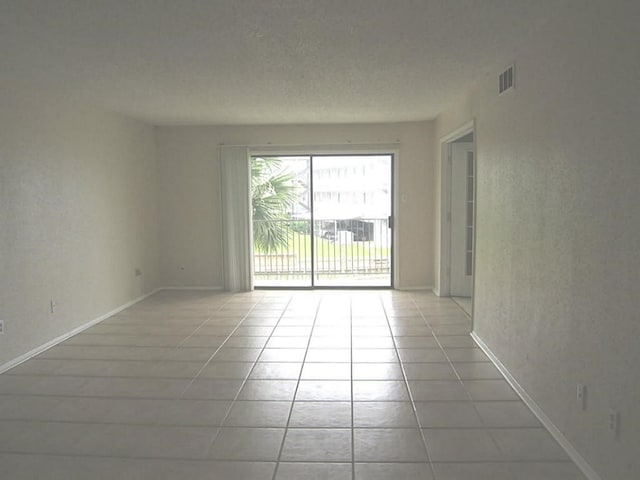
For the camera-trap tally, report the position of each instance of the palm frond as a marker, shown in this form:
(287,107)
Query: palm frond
(274,193)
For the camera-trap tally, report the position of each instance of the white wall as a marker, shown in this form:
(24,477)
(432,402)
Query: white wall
(78,203)
(190,241)
(558,223)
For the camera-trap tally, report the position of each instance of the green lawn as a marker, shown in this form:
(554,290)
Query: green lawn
(299,245)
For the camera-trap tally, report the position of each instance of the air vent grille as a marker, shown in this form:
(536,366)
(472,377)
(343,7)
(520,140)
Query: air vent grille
(506,79)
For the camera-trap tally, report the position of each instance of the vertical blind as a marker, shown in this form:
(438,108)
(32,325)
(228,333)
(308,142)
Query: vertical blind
(236,218)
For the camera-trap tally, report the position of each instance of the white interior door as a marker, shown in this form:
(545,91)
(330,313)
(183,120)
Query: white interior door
(462,209)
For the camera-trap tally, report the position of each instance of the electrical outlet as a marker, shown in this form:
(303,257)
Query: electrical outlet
(581,396)
(614,422)
(53,306)
(1,327)
(138,272)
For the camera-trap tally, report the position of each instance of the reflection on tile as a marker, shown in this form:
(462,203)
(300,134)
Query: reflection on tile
(281,355)
(375,355)
(321,355)
(384,415)
(268,390)
(288,342)
(324,390)
(326,371)
(276,371)
(321,415)
(380,391)
(372,342)
(377,371)
(258,414)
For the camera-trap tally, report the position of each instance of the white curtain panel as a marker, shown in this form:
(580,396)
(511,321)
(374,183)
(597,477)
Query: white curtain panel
(237,243)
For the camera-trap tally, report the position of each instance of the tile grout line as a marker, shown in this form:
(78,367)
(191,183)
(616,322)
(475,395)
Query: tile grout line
(466,390)
(475,408)
(295,393)
(246,378)
(195,377)
(353,426)
(410,393)
(473,403)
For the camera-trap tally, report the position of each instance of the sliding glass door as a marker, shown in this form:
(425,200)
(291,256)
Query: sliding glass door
(322,220)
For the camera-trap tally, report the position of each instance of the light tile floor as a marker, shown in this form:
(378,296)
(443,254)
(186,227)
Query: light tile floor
(272,385)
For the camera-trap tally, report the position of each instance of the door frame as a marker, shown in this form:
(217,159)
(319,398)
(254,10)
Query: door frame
(392,149)
(443,287)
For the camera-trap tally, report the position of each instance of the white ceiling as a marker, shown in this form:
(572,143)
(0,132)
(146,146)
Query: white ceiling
(262,61)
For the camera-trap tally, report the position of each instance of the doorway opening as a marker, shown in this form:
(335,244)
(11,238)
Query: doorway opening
(458,212)
(322,220)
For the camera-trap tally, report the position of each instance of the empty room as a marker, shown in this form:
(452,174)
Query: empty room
(319,239)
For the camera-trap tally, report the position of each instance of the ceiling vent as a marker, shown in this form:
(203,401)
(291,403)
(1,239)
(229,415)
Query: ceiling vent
(506,80)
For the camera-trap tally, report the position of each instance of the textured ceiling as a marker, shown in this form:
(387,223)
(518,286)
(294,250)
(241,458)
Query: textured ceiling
(262,61)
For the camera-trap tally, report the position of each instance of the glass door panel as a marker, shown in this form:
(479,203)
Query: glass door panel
(282,240)
(351,212)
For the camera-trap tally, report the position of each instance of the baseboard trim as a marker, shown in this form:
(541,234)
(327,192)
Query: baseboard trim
(555,432)
(52,343)
(216,289)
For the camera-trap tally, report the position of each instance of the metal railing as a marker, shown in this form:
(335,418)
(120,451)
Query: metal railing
(351,247)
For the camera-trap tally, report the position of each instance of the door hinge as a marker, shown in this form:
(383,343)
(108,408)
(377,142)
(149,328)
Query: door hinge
(390,221)
(448,216)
